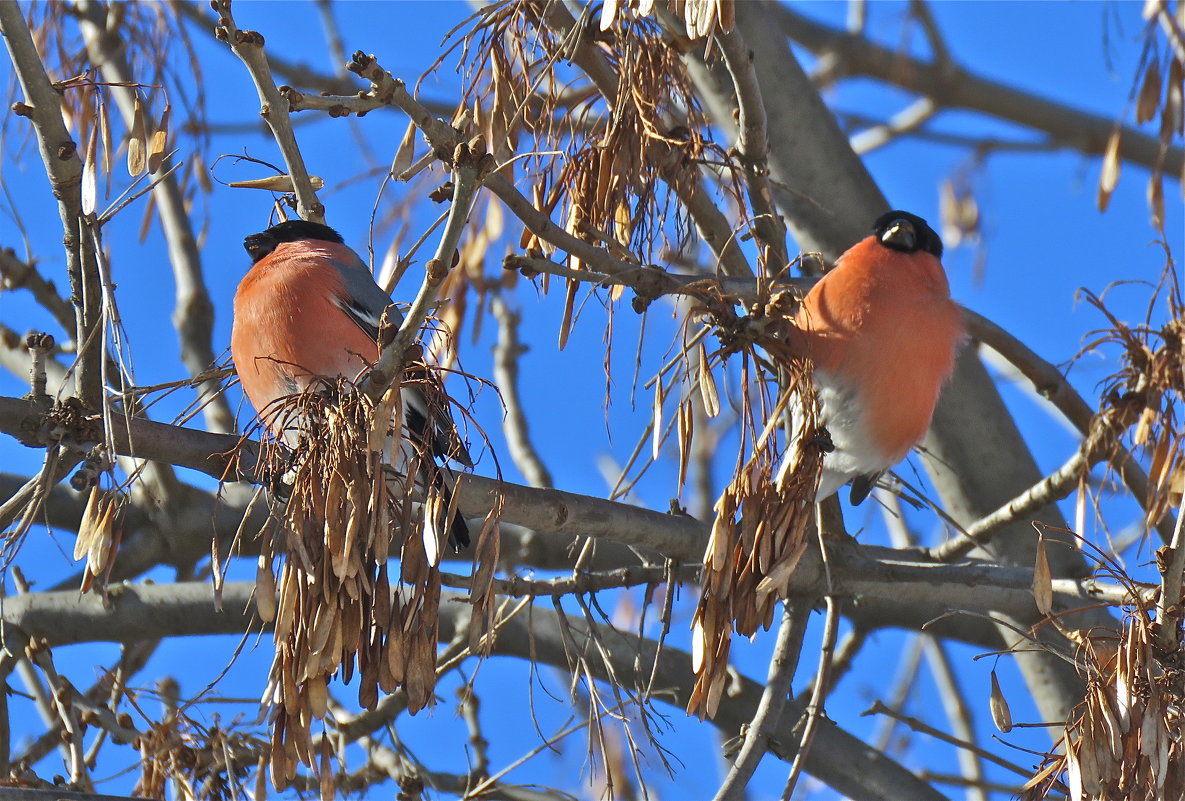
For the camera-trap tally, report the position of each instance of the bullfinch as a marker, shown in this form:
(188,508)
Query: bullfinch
(309,307)
(882,333)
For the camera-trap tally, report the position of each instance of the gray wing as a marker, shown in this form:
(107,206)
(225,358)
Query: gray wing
(366,299)
(365,305)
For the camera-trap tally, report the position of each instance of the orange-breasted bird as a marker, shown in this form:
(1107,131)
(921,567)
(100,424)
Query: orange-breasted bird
(882,332)
(309,307)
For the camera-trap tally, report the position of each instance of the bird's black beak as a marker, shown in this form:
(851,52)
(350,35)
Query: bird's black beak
(900,235)
(258,246)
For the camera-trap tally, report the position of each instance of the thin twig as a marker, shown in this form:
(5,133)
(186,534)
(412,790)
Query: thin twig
(879,708)
(782,667)
(1053,487)
(814,710)
(957,712)
(1051,385)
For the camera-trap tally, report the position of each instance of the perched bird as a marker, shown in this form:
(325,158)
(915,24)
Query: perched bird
(309,307)
(881,331)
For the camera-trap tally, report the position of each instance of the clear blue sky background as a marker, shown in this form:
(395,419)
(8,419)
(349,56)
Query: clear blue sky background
(1043,239)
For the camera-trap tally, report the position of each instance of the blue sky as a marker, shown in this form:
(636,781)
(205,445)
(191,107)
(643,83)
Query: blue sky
(1044,238)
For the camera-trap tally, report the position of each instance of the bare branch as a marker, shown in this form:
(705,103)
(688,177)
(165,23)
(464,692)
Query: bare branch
(468,172)
(783,664)
(879,708)
(248,46)
(753,146)
(193,313)
(1053,487)
(59,154)
(140,611)
(958,712)
(514,425)
(16,274)
(952,86)
(1050,384)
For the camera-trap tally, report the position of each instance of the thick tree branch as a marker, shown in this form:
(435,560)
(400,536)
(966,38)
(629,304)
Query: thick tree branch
(952,86)
(149,611)
(869,571)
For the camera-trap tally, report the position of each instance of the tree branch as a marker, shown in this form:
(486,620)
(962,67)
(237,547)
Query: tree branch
(507,351)
(248,46)
(952,86)
(150,611)
(193,313)
(59,154)
(759,731)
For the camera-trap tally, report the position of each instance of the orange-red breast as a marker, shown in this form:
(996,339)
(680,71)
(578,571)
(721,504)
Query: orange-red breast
(882,332)
(309,307)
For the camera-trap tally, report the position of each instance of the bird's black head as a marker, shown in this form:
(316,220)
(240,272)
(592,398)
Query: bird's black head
(260,245)
(908,233)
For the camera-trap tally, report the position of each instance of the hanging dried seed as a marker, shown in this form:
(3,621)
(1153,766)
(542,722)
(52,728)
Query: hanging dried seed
(1149,99)
(265,590)
(136,143)
(1042,580)
(159,141)
(1109,175)
(1001,716)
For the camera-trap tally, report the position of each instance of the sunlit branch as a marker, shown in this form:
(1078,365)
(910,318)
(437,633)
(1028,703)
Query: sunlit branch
(248,46)
(1054,487)
(468,172)
(952,86)
(783,664)
(63,166)
(1050,384)
(140,611)
(193,314)
(753,146)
